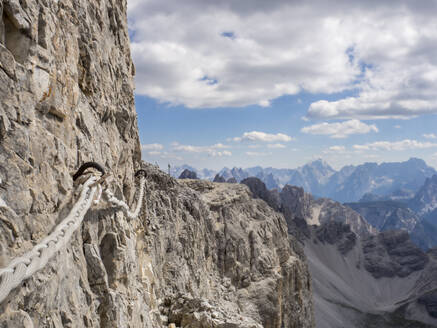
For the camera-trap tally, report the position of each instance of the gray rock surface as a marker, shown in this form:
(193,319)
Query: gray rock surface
(425,200)
(392,253)
(362,279)
(259,190)
(187,174)
(347,295)
(337,233)
(213,244)
(395,180)
(199,255)
(298,205)
(430,302)
(386,215)
(66,97)
(219,178)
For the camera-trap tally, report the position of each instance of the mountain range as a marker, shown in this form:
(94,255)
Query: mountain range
(360,277)
(389,196)
(397,180)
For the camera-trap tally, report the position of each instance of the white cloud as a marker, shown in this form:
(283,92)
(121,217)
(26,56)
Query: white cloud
(210,150)
(152,155)
(224,153)
(340,129)
(154,146)
(430,136)
(397,126)
(275,146)
(264,137)
(335,150)
(274,48)
(256,153)
(395,145)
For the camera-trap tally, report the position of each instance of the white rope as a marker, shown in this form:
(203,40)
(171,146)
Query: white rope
(23,267)
(119,203)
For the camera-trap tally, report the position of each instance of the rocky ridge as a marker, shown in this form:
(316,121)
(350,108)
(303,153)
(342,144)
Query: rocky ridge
(187,174)
(395,180)
(361,278)
(386,215)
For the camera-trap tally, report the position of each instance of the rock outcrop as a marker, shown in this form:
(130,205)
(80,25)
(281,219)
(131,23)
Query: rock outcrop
(187,174)
(213,245)
(219,178)
(199,255)
(346,294)
(259,190)
(336,233)
(392,253)
(299,205)
(381,280)
(386,215)
(66,97)
(425,200)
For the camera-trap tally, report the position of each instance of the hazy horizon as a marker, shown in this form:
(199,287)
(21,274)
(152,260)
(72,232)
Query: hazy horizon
(165,167)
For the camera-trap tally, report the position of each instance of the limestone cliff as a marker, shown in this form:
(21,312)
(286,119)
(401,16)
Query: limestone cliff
(200,255)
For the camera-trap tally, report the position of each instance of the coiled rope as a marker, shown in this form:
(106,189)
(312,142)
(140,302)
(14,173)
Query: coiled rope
(26,265)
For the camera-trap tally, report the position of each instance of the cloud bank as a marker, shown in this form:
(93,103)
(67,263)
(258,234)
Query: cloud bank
(395,145)
(341,129)
(255,136)
(235,53)
(216,150)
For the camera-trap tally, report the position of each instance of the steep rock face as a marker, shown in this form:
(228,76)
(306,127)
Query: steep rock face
(325,210)
(66,96)
(237,173)
(187,174)
(386,215)
(338,233)
(302,206)
(211,257)
(425,200)
(346,294)
(392,253)
(268,179)
(381,179)
(259,190)
(222,251)
(219,178)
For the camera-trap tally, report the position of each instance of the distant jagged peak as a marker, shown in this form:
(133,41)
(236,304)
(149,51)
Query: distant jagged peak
(219,178)
(425,200)
(187,174)
(320,163)
(417,161)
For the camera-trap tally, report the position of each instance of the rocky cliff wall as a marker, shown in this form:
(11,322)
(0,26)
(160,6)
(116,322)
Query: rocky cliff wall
(66,93)
(211,255)
(200,255)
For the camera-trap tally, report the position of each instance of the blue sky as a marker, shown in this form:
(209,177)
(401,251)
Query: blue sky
(224,85)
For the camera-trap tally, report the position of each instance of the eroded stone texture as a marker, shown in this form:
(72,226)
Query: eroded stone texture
(200,254)
(211,248)
(66,96)
(392,253)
